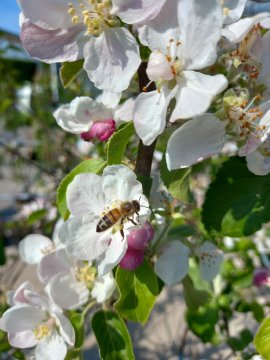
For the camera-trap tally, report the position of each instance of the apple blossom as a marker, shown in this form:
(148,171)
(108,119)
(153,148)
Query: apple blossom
(89,198)
(94,119)
(36,321)
(176,54)
(261,277)
(57,31)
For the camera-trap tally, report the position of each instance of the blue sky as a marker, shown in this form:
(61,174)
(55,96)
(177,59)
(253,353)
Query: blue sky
(9,13)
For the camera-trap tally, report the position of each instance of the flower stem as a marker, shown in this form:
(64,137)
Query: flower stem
(145,153)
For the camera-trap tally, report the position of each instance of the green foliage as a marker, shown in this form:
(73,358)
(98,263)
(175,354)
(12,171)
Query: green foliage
(69,71)
(2,252)
(117,143)
(74,355)
(146,184)
(36,216)
(202,323)
(194,298)
(176,181)
(112,336)
(138,291)
(88,166)
(77,321)
(239,343)
(237,202)
(262,339)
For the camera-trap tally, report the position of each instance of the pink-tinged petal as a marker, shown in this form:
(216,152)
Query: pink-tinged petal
(65,328)
(258,164)
(68,122)
(150,116)
(113,255)
(136,12)
(67,292)
(21,317)
(81,239)
(120,183)
(51,347)
(52,264)
(210,260)
(261,277)
(172,265)
(52,46)
(86,110)
(32,248)
(237,31)
(18,296)
(49,14)
(251,145)
(132,259)
(235,10)
(124,112)
(100,130)
(195,93)
(112,59)
(84,195)
(200,27)
(195,141)
(103,288)
(22,340)
(139,238)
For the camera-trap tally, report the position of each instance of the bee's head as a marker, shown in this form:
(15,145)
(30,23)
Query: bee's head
(136,205)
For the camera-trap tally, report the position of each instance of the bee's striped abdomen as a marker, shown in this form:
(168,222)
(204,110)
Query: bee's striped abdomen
(109,220)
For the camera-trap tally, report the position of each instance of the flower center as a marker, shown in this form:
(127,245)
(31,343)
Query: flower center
(41,331)
(94,14)
(226,10)
(48,249)
(86,274)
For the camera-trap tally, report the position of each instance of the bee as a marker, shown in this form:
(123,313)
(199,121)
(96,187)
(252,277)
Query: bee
(124,211)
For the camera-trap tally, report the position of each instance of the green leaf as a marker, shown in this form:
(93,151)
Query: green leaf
(237,202)
(74,355)
(2,252)
(118,142)
(36,216)
(112,336)
(69,71)
(240,343)
(88,166)
(203,322)
(18,355)
(138,291)
(146,184)
(262,339)
(194,298)
(77,322)
(176,181)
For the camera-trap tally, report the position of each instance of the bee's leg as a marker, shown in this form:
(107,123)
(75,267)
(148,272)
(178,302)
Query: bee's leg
(122,230)
(133,222)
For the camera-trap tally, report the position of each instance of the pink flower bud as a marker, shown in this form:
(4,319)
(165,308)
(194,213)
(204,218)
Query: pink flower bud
(138,239)
(132,259)
(159,67)
(100,130)
(261,277)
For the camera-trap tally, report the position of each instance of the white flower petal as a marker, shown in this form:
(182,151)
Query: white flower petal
(195,141)
(200,26)
(136,11)
(68,122)
(235,10)
(119,183)
(22,340)
(252,143)
(21,317)
(195,93)
(18,297)
(56,229)
(237,31)
(150,116)
(258,164)
(84,195)
(51,347)
(210,259)
(124,112)
(172,266)
(52,46)
(31,248)
(113,255)
(86,110)
(65,328)
(103,288)
(53,263)
(112,59)
(67,292)
(109,99)
(81,239)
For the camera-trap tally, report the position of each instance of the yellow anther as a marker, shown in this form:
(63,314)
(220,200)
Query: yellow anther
(226,11)
(41,331)
(86,274)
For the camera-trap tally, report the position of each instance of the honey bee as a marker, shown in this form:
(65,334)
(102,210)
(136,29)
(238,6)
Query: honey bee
(125,210)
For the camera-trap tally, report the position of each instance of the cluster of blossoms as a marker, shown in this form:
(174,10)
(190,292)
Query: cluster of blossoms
(199,54)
